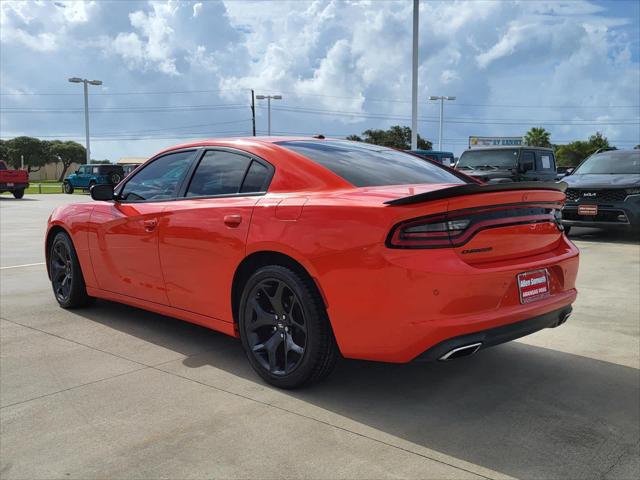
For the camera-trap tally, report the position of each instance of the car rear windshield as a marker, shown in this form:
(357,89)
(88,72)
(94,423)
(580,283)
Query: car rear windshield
(488,158)
(365,165)
(613,162)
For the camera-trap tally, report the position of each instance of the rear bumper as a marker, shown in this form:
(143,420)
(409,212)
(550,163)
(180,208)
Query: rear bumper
(398,309)
(10,188)
(610,215)
(497,335)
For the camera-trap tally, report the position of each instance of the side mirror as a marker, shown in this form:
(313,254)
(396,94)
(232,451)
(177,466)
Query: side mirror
(102,192)
(526,167)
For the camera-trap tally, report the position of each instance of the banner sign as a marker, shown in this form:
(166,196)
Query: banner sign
(475,142)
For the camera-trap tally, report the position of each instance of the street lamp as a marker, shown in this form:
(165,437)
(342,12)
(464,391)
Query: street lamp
(269,98)
(442,99)
(86,107)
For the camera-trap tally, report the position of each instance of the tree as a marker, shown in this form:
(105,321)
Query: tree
(598,142)
(395,137)
(67,152)
(573,153)
(35,152)
(4,151)
(537,137)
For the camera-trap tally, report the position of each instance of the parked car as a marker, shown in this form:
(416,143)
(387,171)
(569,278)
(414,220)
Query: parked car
(14,181)
(604,192)
(89,175)
(509,164)
(307,249)
(445,158)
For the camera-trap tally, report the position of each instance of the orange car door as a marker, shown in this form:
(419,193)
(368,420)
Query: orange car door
(124,234)
(203,236)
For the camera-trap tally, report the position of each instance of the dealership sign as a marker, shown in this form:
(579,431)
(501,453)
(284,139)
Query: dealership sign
(475,142)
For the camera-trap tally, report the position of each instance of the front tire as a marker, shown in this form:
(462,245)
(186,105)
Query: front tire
(284,328)
(18,193)
(66,276)
(68,188)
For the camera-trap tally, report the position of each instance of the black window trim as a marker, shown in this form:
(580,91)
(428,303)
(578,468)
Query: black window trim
(133,174)
(182,192)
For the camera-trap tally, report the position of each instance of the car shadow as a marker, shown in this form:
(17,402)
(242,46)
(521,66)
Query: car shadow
(517,409)
(604,236)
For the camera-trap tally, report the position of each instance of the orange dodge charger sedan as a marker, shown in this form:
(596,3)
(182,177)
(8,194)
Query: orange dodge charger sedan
(310,248)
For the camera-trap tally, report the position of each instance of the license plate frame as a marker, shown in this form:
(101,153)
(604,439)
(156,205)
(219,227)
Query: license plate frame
(530,288)
(588,210)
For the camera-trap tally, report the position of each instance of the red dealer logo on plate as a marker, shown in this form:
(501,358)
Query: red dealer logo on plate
(533,285)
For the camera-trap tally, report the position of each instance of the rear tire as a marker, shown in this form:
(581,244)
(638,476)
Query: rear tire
(18,193)
(68,188)
(66,275)
(92,184)
(285,329)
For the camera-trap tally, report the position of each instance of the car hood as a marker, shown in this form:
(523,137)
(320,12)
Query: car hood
(603,181)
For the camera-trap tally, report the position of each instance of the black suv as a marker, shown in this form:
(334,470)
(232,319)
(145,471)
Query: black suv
(509,164)
(604,192)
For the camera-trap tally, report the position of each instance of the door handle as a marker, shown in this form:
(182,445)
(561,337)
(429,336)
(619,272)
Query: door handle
(150,225)
(232,220)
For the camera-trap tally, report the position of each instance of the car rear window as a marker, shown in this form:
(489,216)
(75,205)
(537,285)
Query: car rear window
(366,165)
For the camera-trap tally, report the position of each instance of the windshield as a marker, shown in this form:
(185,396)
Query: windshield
(613,162)
(488,158)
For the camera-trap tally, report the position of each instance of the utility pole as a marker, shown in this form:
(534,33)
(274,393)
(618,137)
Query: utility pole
(442,99)
(253,111)
(414,77)
(268,98)
(86,84)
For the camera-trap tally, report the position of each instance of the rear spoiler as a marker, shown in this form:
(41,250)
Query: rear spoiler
(474,188)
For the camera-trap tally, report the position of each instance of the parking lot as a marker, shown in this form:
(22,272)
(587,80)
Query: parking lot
(115,392)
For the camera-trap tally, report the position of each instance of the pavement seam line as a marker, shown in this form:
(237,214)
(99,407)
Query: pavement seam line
(22,266)
(344,429)
(154,367)
(74,387)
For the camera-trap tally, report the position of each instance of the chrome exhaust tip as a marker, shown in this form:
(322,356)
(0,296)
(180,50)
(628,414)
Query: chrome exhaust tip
(463,351)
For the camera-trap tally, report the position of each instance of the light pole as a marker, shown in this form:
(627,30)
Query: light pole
(269,98)
(414,78)
(442,99)
(86,108)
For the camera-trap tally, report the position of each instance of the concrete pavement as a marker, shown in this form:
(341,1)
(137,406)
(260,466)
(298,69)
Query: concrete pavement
(115,392)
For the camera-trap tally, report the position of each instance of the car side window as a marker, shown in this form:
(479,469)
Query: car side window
(256,178)
(81,170)
(218,173)
(96,170)
(545,161)
(159,179)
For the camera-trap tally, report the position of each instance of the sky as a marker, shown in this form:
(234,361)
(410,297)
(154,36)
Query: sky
(173,71)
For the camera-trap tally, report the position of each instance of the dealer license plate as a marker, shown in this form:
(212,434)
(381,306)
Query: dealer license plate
(533,285)
(589,210)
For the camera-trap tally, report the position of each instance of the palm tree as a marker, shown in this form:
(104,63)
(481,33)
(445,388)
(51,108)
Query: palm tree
(538,137)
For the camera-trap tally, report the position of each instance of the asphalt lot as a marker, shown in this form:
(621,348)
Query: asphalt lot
(115,392)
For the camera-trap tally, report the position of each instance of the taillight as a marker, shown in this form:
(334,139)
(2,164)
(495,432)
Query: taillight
(456,228)
(427,232)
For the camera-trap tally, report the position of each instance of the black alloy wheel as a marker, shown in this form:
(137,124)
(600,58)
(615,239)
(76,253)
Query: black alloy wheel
(277,332)
(65,273)
(284,328)
(61,271)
